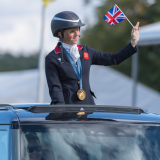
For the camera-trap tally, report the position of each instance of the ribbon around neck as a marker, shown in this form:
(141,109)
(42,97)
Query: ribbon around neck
(78,70)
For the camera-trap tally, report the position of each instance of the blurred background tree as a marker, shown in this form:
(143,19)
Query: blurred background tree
(105,37)
(8,62)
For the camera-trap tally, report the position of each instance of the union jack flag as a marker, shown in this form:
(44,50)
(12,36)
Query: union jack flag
(114,16)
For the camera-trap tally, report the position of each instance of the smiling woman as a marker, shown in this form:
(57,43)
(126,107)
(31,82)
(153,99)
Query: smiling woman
(68,65)
(71,35)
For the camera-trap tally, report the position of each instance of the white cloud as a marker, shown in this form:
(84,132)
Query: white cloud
(21,23)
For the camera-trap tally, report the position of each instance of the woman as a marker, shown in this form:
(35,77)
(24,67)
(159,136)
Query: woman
(68,65)
(34,147)
(35,150)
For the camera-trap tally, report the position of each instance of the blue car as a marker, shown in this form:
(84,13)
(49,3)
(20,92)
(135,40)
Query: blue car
(78,132)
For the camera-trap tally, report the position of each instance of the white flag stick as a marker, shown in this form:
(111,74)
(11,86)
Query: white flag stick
(126,17)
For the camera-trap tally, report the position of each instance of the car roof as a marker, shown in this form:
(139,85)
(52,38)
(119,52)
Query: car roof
(45,112)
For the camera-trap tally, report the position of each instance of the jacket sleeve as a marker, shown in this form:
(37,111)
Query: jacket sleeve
(107,59)
(54,85)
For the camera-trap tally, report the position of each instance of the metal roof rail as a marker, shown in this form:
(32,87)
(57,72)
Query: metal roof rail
(84,108)
(25,106)
(5,107)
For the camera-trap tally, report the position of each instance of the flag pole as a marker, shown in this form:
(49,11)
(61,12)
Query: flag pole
(130,22)
(41,59)
(40,95)
(125,16)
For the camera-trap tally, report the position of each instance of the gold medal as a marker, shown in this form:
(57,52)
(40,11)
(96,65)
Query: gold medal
(81,113)
(81,94)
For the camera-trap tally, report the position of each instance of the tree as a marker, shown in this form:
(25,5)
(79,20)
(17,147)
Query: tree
(108,38)
(8,62)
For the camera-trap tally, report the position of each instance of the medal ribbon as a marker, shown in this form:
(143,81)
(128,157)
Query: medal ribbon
(78,70)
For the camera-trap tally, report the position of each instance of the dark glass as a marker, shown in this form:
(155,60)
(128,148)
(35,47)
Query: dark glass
(97,141)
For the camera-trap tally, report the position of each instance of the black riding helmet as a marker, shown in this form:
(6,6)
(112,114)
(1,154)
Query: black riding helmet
(64,20)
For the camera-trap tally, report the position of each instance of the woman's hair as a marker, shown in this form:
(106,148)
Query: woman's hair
(31,136)
(27,137)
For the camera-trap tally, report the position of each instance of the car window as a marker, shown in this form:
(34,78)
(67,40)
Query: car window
(90,142)
(3,145)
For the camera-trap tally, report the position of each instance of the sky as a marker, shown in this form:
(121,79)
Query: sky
(20,23)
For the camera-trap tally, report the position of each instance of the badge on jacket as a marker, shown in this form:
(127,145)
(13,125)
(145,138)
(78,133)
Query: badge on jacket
(86,55)
(59,59)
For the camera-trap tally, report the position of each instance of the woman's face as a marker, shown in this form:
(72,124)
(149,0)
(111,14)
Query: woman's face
(71,35)
(35,150)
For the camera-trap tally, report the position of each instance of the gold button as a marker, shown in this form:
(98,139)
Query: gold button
(78,82)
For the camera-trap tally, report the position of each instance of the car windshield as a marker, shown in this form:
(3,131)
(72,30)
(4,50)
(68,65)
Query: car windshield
(90,141)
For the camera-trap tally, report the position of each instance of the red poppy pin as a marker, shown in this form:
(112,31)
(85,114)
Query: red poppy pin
(86,55)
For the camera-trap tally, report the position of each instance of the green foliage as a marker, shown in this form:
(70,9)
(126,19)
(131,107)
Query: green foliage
(108,38)
(149,66)
(9,62)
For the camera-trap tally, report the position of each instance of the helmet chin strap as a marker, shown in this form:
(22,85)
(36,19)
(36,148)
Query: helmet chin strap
(61,40)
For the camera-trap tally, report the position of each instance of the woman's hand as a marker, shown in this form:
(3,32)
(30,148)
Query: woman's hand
(135,35)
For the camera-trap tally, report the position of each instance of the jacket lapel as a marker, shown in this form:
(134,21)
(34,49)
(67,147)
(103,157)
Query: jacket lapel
(58,51)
